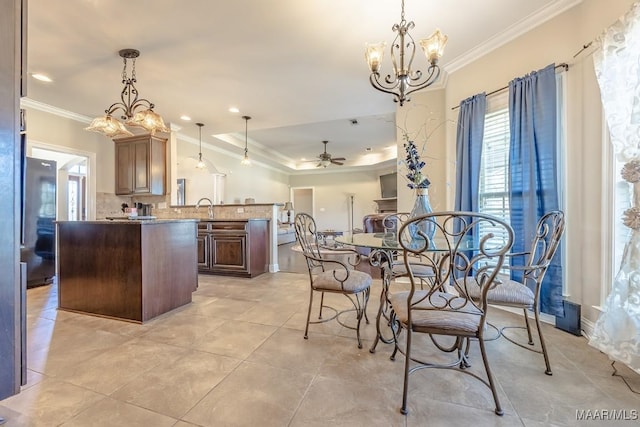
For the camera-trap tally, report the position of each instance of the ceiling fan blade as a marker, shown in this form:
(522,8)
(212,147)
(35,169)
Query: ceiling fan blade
(335,162)
(342,159)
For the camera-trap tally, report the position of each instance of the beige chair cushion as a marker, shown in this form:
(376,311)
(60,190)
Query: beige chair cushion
(425,317)
(357,281)
(509,292)
(419,270)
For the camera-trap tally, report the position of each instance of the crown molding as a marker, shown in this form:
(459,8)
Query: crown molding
(41,106)
(514,31)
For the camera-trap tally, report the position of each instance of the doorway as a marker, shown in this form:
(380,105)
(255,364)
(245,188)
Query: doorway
(75,199)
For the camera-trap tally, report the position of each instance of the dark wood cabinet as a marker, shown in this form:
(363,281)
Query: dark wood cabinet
(140,165)
(131,270)
(233,247)
(204,257)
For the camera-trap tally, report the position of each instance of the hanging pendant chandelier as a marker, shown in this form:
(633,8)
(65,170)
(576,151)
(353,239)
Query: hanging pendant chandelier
(129,104)
(201,164)
(404,80)
(245,161)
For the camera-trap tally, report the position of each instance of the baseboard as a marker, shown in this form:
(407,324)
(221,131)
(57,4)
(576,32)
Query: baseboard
(587,327)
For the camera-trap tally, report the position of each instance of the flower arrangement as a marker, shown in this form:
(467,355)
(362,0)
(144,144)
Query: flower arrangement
(415,177)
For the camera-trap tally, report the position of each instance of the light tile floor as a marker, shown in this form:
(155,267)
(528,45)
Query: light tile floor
(236,357)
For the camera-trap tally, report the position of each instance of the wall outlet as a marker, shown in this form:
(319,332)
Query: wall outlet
(240,210)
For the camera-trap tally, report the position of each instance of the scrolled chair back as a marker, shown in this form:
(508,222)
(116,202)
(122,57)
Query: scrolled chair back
(318,255)
(394,221)
(467,250)
(549,232)
(306,234)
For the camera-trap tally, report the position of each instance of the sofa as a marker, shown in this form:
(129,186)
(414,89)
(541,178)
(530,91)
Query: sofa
(286,233)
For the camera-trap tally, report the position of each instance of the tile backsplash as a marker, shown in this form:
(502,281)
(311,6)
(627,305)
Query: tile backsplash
(108,204)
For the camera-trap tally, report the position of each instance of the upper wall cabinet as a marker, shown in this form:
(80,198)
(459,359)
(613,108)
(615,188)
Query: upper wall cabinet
(141,167)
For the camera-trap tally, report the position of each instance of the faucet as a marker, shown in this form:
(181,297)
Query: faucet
(209,209)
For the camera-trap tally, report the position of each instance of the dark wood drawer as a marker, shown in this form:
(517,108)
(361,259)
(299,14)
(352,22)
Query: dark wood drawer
(230,226)
(204,226)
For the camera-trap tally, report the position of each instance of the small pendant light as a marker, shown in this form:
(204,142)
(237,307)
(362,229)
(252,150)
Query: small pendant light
(245,161)
(200,164)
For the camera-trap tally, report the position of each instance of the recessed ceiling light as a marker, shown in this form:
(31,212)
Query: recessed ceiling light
(41,77)
(185,118)
(234,110)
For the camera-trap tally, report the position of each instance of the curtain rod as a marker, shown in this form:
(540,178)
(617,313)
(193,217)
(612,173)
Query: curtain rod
(563,65)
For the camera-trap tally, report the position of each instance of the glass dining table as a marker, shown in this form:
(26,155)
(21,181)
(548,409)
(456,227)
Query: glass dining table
(385,248)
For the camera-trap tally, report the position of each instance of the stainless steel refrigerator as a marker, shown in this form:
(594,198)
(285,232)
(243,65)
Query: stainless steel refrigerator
(38,216)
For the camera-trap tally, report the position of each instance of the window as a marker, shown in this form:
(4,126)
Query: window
(622,200)
(493,192)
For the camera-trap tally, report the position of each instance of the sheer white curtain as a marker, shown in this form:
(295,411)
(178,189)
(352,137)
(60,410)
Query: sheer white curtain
(617,65)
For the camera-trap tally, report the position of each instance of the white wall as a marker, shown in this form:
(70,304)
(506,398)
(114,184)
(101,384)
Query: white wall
(265,185)
(556,41)
(332,196)
(424,119)
(52,129)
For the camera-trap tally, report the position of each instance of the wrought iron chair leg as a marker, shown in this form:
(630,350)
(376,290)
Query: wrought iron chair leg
(407,360)
(360,310)
(366,303)
(393,355)
(306,329)
(492,384)
(463,356)
(542,343)
(321,305)
(526,321)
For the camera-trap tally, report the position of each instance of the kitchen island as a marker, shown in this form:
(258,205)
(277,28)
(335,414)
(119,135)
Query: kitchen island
(129,269)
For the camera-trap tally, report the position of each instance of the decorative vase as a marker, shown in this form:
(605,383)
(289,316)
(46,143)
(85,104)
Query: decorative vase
(422,207)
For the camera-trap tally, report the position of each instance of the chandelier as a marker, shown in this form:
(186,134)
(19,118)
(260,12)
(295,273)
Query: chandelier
(404,80)
(129,104)
(245,161)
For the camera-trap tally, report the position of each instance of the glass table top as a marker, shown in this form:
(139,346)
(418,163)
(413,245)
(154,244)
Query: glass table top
(389,241)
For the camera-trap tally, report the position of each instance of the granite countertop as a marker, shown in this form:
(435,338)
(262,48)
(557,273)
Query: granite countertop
(231,219)
(125,220)
(227,205)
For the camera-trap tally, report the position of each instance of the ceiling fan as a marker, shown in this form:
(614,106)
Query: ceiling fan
(326,159)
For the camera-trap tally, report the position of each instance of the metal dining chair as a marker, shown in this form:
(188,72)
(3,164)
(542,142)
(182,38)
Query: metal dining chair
(392,224)
(331,271)
(525,293)
(446,308)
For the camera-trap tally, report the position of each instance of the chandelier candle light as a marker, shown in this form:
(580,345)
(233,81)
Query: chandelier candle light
(245,161)
(147,118)
(404,80)
(200,164)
